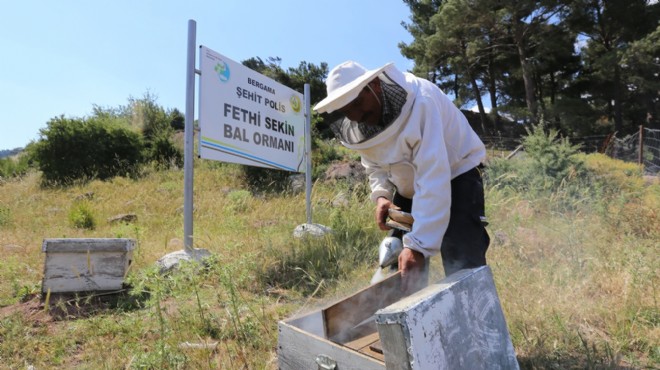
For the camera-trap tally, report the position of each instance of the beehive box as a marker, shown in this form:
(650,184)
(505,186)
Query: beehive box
(454,324)
(340,336)
(86,264)
(457,323)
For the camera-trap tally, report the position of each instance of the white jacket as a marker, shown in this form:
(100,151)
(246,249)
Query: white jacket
(418,154)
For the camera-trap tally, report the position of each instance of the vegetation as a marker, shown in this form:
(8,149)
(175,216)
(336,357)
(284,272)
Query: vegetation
(14,166)
(574,261)
(586,66)
(110,142)
(574,247)
(73,149)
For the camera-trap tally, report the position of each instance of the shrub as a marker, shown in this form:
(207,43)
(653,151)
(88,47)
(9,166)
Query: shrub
(14,167)
(5,216)
(238,200)
(84,149)
(547,163)
(552,158)
(164,153)
(81,216)
(266,180)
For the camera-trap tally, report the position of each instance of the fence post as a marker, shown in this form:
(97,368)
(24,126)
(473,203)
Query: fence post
(641,145)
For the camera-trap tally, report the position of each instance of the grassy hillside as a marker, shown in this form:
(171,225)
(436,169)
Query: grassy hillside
(576,269)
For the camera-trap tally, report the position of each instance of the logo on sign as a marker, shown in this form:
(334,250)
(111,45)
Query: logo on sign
(222,69)
(296,104)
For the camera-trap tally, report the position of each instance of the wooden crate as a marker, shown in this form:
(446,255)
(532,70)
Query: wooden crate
(340,336)
(86,264)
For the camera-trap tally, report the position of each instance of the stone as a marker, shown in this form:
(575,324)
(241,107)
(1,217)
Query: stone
(127,217)
(352,171)
(172,260)
(315,230)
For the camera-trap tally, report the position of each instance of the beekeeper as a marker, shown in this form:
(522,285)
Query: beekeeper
(421,155)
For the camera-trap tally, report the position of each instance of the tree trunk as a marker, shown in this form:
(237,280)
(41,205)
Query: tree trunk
(527,70)
(475,89)
(553,98)
(618,112)
(492,91)
(480,104)
(652,120)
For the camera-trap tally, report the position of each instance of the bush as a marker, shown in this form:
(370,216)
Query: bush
(5,216)
(547,163)
(265,180)
(81,216)
(84,149)
(14,167)
(238,201)
(164,153)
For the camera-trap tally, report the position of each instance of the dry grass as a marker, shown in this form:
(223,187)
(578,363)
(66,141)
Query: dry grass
(578,287)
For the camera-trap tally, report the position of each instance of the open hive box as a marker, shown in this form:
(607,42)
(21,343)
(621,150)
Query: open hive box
(456,323)
(341,336)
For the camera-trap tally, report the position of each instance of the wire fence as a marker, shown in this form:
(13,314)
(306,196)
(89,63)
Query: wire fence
(642,147)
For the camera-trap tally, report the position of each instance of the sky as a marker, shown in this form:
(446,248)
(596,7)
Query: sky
(63,57)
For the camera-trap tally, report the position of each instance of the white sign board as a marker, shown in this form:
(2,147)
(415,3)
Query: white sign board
(248,118)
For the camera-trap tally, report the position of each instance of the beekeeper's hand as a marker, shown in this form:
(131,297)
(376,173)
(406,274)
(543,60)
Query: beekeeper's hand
(382,205)
(411,265)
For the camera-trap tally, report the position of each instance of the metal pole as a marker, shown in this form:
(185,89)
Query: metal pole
(189,137)
(308,155)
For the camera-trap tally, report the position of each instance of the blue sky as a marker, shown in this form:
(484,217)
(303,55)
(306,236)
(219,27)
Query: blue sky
(62,57)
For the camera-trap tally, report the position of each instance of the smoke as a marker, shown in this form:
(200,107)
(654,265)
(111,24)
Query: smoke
(353,317)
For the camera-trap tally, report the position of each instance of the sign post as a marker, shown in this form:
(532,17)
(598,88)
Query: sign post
(246,118)
(173,259)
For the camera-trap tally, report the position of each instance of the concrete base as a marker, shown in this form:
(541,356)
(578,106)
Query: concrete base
(172,260)
(316,230)
(455,324)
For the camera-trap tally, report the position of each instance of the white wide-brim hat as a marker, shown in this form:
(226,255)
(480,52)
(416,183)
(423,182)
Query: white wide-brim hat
(344,83)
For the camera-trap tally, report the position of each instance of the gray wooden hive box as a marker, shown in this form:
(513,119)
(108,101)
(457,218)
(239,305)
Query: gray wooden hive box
(86,264)
(455,324)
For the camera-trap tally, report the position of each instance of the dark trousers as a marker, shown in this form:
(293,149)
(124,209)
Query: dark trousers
(466,239)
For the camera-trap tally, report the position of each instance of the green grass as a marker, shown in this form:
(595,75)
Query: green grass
(575,268)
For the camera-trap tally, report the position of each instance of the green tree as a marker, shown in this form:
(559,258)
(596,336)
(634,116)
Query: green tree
(156,126)
(608,28)
(421,28)
(471,44)
(641,61)
(471,41)
(177,120)
(75,149)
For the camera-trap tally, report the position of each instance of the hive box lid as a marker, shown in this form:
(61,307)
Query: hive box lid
(457,323)
(84,245)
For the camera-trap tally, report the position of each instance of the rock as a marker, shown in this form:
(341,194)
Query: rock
(316,230)
(128,218)
(297,183)
(87,196)
(173,260)
(352,170)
